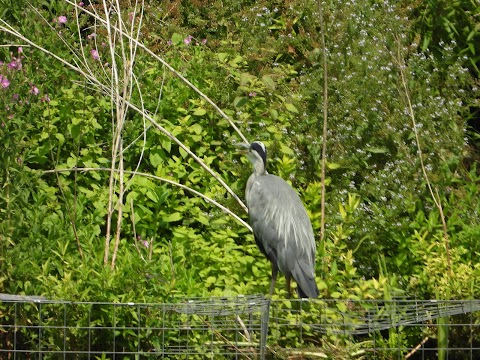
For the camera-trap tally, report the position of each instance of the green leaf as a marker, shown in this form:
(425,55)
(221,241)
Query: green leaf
(166,144)
(273,114)
(152,196)
(71,162)
(286,150)
(183,153)
(240,101)
(335,295)
(95,175)
(222,56)
(199,111)
(375,150)
(333,166)
(342,211)
(472,48)
(290,107)
(132,195)
(334,269)
(74,130)
(245,78)
(269,83)
(203,219)
(341,305)
(196,128)
(177,39)
(60,138)
(210,280)
(156,159)
(176,216)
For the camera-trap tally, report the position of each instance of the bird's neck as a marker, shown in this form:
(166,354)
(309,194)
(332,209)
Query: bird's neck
(259,168)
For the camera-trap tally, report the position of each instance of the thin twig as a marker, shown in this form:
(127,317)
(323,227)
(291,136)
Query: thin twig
(325,118)
(436,198)
(134,228)
(144,133)
(245,331)
(119,209)
(116,127)
(415,349)
(172,264)
(227,341)
(150,248)
(445,233)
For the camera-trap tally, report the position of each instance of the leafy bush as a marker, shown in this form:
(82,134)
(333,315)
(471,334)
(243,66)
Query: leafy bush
(174,243)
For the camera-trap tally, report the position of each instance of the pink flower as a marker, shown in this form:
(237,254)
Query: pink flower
(95,54)
(81,3)
(45,98)
(62,19)
(145,243)
(252,94)
(15,64)
(5,82)
(20,50)
(91,36)
(204,41)
(34,90)
(188,39)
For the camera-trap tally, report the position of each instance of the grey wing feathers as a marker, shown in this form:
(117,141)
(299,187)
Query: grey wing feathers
(281,224)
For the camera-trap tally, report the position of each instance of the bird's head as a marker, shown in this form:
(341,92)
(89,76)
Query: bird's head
(256,152)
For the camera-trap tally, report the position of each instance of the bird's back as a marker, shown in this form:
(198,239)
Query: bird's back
(282,229)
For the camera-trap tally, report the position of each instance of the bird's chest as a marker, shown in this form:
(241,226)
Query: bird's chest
(256,194)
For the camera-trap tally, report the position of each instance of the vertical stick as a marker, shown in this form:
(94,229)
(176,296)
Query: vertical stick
(436,198)
(120,207)
(325,117)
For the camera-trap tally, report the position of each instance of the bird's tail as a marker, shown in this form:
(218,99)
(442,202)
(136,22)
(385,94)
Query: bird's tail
(304,276)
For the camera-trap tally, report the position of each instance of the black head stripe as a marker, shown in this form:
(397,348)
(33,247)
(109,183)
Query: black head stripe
(261,150)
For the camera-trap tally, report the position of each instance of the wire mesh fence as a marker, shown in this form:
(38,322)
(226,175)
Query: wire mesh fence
(194,328)
(248,327)
(375,329)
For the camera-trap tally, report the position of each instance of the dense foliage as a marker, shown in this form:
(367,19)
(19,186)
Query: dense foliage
(396,70)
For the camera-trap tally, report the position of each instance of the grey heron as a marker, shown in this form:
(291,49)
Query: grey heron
(281,227)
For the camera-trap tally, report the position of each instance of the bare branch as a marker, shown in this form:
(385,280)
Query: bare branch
(399,59)
(325,118)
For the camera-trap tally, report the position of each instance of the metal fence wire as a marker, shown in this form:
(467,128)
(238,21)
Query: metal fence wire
(194,328)
(243,327)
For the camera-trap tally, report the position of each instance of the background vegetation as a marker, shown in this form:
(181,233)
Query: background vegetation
(402,185)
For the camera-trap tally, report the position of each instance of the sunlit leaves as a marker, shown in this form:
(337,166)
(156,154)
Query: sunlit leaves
(292,108)
(269,82)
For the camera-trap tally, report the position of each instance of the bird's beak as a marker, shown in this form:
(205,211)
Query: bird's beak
(243,147)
